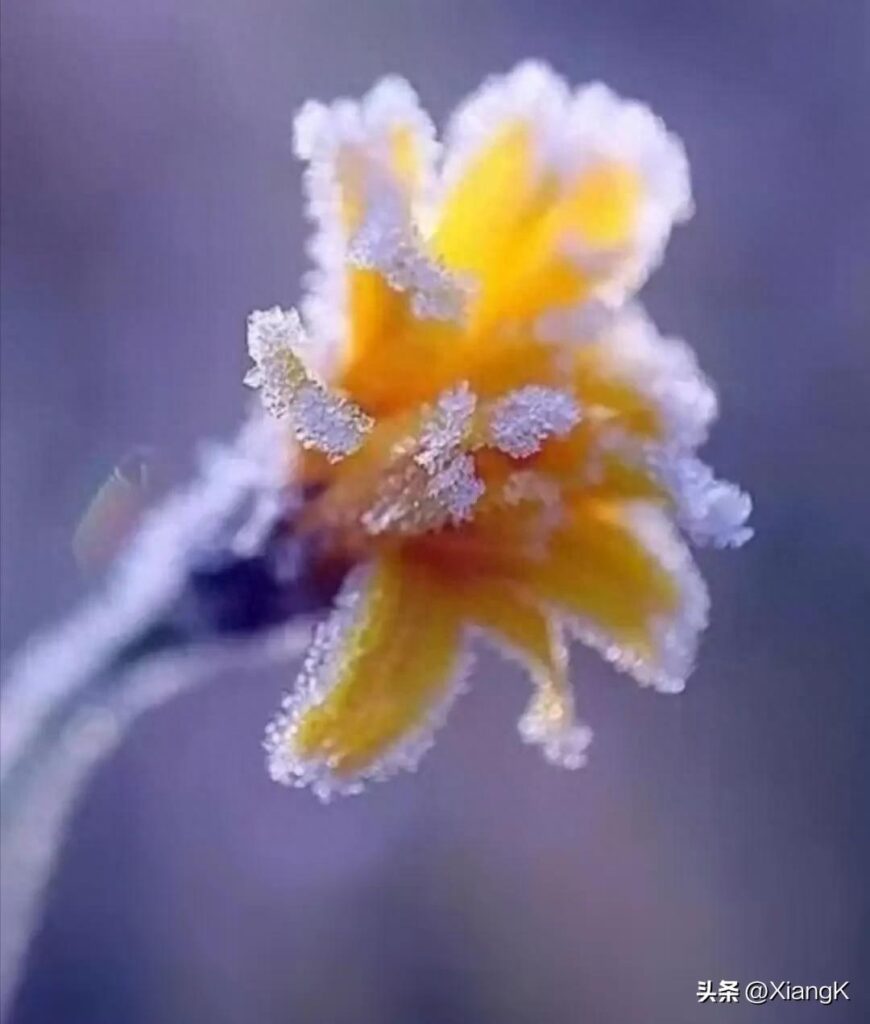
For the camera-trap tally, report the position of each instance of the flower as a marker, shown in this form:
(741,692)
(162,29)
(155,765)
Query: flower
(492,432)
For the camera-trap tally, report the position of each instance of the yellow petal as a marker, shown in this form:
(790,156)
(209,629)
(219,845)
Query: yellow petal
(395,360)
(360,155)
(499,219)
(553,197)
(513,619)
(488,206)
(384,667)
(646,385)
(631,586)
(601,206)
(503,222)
(533,634)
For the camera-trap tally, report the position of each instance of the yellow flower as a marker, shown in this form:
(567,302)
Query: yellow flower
(491,433)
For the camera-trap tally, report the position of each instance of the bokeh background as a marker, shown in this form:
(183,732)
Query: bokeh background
(150,200)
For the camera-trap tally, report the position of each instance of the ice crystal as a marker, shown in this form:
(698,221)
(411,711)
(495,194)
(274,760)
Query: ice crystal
(388,244)
(711,511)
(456,488)
(289,391)
(520,421)
(433,480)
(446,427)
(549,724)
(664,370)
(453,485)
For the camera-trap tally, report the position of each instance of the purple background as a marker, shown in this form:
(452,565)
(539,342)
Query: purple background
(150,200)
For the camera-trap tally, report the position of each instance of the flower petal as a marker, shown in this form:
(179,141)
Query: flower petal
(551,199)
(630,587)
(495,193)
(532,635)
(644,384)
(513,619)
(360,155)
(627,183)
(380,674)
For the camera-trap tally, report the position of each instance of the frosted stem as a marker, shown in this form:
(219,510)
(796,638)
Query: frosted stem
(83,725)
(214,572)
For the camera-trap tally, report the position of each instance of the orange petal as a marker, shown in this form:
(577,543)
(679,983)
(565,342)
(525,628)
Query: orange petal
(511,618)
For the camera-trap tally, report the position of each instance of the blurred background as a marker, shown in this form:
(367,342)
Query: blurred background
(150,200)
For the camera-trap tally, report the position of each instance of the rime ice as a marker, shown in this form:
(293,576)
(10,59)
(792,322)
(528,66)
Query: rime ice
(320,420)
(510,444)
(523,419)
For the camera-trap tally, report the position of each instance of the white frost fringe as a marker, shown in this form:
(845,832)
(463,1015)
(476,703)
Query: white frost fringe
(61,672)
(315,682)
(323,135)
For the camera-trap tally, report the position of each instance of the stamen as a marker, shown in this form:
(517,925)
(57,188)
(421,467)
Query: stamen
(320,419)
(435,480)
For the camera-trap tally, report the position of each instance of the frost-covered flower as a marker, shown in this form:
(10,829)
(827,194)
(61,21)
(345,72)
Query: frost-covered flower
(494,435)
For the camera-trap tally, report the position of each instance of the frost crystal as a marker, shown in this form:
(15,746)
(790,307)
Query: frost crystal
(319,419)
(456,488)
(520,421)
(447,427)
(454,485)
(601,127)
(389,244)
(434,481)
(711,511)
(549,722)
(527,485)
(664,370)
